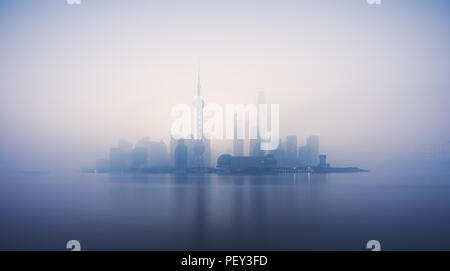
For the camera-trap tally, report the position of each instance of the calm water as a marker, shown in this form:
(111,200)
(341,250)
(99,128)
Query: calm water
(406,210)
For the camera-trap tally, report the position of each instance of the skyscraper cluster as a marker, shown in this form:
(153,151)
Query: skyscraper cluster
(145,154)
(188,158)
(289,154)
(195,152)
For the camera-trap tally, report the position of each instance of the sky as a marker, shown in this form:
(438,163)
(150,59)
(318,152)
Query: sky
(371,80)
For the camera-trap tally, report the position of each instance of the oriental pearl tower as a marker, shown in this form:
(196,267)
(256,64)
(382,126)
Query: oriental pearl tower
(199,148)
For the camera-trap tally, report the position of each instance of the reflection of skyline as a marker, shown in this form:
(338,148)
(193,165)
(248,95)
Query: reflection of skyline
(208,212)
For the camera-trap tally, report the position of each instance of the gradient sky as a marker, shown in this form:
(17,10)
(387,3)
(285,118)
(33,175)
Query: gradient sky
(371,80)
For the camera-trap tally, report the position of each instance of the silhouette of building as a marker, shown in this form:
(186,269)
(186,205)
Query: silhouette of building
(197,151)
(117,160)
(207,154)
(125,145)
(157,155)
(309,155)
(256,151)
(193,148)
(255,144)
(313,145)
(143,143)
(181,156)
(231,163)
(120,158)
(323,161)
(173,146)
(238,143)
(291,158)
(139,158)
(304,156)
(279,153)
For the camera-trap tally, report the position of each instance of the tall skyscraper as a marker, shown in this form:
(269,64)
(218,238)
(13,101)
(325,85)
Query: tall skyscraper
(181,155)
(255,144)
(173,146)
(279,153)
(157,155)
(238,144)
(207,154)
(323,161)
(304,156)
(198,104)
(139,158)
(291,151)
(199,149)
(117,160)
(313,145)
(120,158)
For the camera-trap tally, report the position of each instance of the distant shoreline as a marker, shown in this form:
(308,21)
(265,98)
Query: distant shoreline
(219,171)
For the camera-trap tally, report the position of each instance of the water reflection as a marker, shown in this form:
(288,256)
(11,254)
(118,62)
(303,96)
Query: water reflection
(229,212)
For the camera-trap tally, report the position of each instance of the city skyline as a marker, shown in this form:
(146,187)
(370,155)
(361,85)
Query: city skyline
(357,76)
(179,128)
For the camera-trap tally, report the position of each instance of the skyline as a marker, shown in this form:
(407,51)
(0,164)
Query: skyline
(366,78)
(207,131)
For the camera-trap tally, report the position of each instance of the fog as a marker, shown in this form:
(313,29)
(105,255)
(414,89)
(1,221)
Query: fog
(371,80)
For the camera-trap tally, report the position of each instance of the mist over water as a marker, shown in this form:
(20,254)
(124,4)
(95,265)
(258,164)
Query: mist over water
(370,80)
(407,211)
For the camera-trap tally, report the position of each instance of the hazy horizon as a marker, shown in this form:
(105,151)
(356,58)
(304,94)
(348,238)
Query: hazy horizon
(371,80)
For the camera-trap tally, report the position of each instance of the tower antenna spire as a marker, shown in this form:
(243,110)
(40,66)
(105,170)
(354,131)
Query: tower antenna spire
(198,80)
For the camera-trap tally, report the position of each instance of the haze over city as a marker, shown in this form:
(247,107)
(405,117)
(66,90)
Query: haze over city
(370,80)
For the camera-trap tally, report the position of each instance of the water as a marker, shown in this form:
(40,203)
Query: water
(403,210)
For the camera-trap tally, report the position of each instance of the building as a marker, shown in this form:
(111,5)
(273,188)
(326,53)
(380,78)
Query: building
(181,156)
(207,154)
(158,157)
(139,158)
(238,143)
(255,144)
(231,163)
(313,145)
(279,153)
(125,145)
(196,153)
(157,154)
(118,160)
(323,161)
(304,156)
(173,146)
(256,149)
(291,158)
(199,152)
